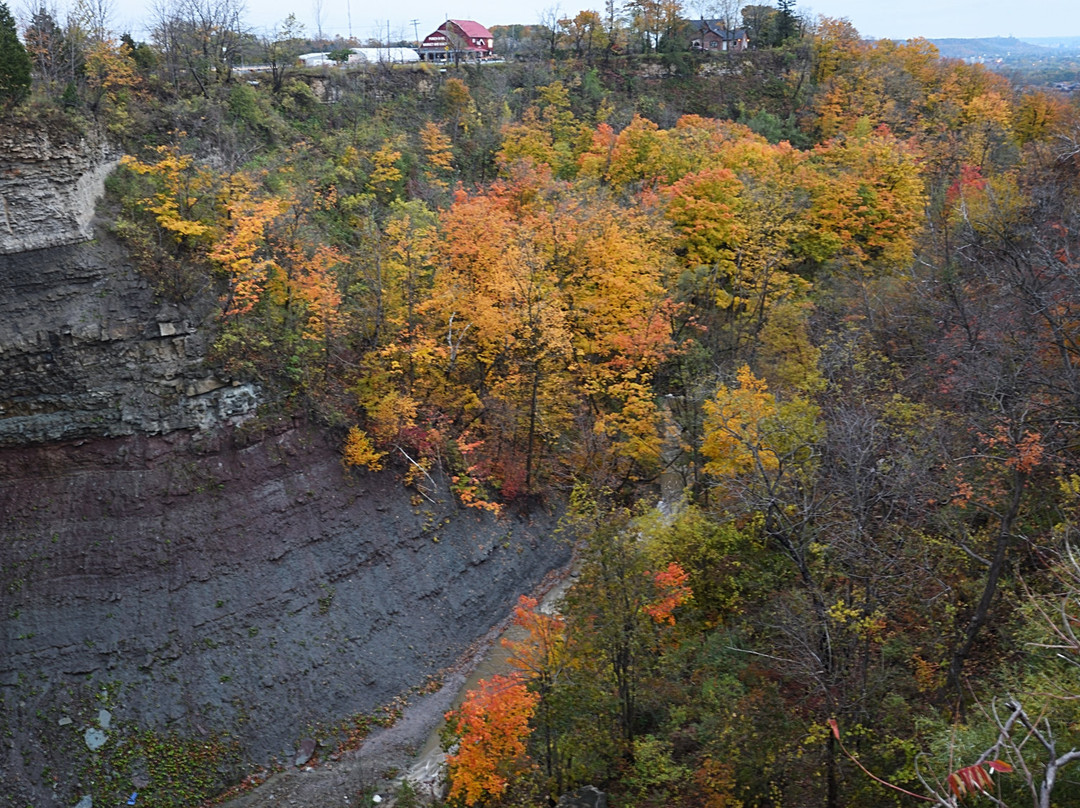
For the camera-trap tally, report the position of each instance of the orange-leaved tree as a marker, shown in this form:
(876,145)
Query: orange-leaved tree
(547,317)
(491,728)
(868,201)
(541,656)
(282,302)
(672,591)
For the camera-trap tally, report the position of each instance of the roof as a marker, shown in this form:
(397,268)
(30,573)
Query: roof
(718,29)
(473,29)
(386,54)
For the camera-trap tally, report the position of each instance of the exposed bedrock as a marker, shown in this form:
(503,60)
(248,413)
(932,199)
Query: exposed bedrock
(50,178)
(166,566)
(87,349)
(257,592)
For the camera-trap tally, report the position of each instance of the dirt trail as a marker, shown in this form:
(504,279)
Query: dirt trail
(388,754)
(375,766)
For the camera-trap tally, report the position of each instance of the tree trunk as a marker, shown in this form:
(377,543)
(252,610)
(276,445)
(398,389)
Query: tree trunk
(993,575)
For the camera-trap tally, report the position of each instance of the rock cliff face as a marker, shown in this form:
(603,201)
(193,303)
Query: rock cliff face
(168,562)
(255,592)
(86,350)
(50,177)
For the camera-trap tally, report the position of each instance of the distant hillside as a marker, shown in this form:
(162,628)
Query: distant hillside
(1065,44)
(991,47)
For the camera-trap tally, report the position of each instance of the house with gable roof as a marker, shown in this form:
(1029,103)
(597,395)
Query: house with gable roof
(457,40)
(712,35)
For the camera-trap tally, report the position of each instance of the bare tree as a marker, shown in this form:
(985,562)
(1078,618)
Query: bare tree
(199,39)
(94,16)
(727,11)
(549,20)
(317,13)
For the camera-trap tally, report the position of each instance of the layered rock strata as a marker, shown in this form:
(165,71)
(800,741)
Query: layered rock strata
(50,177)
(171,564)
(254,594)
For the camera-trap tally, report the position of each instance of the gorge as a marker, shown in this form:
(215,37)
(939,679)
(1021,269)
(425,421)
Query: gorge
(179,561)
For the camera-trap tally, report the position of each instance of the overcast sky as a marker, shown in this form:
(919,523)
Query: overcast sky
(897,19)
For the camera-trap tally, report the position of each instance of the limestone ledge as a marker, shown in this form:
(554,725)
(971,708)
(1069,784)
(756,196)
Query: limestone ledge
(50,181)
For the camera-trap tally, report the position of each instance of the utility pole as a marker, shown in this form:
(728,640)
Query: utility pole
(416,31)
(348,10)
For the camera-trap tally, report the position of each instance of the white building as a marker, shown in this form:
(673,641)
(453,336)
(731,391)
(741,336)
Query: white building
(376,55)
(315,59)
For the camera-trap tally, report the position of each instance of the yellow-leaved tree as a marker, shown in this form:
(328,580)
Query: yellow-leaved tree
(182,199)
(546,318)
(764,454)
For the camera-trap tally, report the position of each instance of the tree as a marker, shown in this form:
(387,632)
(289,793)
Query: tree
(94,16)
(111,82)
(541,656)
(438,154)
(620,613)
(549,25)
(499,294)
(548,134)
(613,27)
(787,24)
(15,65)
(869,202)
(281,50)
(457,107)
(760,24)
(586,33)
(46,46)
(200,39)
(171,218)
(726,11)
(1023,738)
(490,728)
(318,13)
(526,334)
(182,196)
(1007,355)
(145,57)
(767,456)
(655,20)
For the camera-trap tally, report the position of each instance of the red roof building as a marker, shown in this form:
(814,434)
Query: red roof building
(455,40)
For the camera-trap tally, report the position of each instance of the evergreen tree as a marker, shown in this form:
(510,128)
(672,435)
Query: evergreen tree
(787,25)
(14,63)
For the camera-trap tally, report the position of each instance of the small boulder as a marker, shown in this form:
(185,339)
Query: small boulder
(305,753)
(95,739)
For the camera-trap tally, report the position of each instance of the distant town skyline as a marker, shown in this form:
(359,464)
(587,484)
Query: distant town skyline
(932,19)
